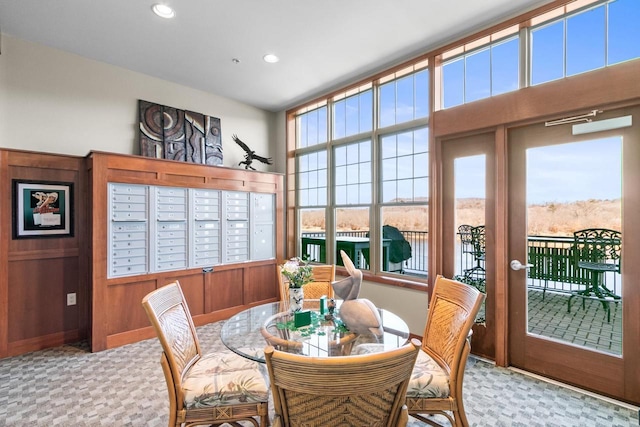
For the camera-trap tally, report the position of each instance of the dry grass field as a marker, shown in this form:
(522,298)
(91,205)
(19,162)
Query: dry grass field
(549,219)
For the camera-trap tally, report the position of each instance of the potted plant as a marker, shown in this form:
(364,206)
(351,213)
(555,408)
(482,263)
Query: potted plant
(298,272)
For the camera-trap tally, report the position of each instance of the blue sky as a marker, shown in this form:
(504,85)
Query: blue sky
(558,173)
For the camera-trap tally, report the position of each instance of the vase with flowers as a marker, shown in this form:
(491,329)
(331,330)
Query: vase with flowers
(298,272)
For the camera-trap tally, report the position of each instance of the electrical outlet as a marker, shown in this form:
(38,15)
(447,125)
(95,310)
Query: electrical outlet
(71,299)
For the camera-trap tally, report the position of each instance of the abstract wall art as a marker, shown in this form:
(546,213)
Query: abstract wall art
(173,134)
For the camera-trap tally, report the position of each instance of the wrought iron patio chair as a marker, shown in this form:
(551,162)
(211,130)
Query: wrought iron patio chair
(597,251)
(473,244)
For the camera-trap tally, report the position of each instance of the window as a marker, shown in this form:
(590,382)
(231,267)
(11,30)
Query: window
(353,173)
(362,155)
(353,115)
(485,71)
(405,157)
(585,40)
(312,179)
(404,99)
(312,128)
(338,183)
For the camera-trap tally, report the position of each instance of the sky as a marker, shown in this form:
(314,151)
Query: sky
(566,172)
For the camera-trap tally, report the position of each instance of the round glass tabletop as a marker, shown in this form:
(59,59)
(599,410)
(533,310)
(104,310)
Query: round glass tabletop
(250,331)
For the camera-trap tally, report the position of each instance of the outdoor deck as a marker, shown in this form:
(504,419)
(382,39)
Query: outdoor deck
(586,327)
(551,280)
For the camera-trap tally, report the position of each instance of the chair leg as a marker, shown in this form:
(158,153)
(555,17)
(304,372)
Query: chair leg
(460,416)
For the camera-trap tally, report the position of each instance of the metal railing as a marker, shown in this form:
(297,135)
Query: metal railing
(416,265)
(554,267)
(553,259)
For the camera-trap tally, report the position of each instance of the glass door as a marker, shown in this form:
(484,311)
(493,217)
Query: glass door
(468,206)
(571,291)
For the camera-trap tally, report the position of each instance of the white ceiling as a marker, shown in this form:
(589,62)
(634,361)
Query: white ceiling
(322,44)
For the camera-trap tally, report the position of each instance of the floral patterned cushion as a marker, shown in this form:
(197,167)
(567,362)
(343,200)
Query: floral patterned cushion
(428,379)
(223,379)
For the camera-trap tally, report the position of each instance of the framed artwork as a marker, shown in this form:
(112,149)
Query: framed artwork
(42,209)
(173,134)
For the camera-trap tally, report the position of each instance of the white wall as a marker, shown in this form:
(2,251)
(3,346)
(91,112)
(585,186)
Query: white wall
(58,102)
(409,304)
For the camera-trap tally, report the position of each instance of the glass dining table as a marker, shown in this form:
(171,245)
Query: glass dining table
(250,331)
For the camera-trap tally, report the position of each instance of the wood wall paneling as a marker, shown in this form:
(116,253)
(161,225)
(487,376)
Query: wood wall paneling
(226,289)
(193,290)
(37,295)
(260,284)
(123,308)
(211,296)
(37,273)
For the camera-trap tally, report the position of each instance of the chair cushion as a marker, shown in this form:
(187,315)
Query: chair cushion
(223,379)
(428,379)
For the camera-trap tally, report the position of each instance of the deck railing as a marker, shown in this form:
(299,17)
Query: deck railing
(553,259)
(417,264)
(555,267)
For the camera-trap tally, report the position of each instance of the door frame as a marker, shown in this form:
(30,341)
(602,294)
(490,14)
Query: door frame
(451,149)
(616,376)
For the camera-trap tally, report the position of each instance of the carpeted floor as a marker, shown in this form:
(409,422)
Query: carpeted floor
(69,386)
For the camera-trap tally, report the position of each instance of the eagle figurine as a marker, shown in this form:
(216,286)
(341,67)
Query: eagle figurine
(250,155)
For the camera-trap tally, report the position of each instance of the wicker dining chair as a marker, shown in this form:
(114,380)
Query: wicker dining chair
(320,285)
(436,383)
(209,389)
(364,390)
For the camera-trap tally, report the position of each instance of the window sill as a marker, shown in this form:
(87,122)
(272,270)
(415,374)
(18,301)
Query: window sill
(418,285)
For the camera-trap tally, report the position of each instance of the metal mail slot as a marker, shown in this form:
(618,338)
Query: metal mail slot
(129,227)
(128,270)
(123,216)
(171,265)
(128,207)
(206,194)
(130,244)
(238,245)
(128,189)
(170,191)
(129,198)
(130,236)
(171,257)
(172,249)
(206,216)
(172,216)
(173,226)
(129,252)
(129,261)
(207,226)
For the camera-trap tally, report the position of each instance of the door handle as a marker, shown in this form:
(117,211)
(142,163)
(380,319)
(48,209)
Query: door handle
(517,265)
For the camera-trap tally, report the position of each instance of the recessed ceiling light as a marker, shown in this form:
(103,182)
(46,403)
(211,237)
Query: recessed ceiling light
(163,11)
(270,58)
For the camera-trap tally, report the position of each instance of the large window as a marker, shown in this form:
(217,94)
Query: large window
(362,155)
(488,70)
(600,34)
(585,40)
(312,179)
(367,204)
(312,128)
(353,173)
